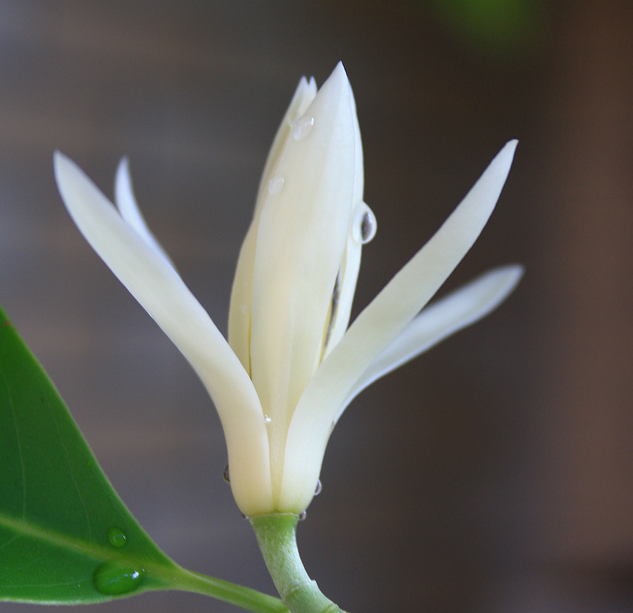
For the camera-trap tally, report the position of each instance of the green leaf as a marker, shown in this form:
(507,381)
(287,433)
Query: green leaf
(65,535)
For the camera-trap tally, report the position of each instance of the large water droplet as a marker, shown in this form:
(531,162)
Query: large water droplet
(364,225)
(117,537)
(276,184)
(302,128)
(112,579)
(225,474)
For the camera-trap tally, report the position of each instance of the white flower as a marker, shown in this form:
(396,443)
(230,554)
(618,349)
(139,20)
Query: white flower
(293,365)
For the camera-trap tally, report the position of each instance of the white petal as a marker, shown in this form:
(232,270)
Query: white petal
(379,323)
(301,241)
(159,289)
(129,209)
(348,274)
(452,313)
(240,310)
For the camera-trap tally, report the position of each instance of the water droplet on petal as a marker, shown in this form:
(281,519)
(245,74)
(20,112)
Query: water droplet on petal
(225,474)
(245,517)
(117,537)
(267,419)
(318,489)
(276,184)
(364,225)
(113,579)
(303,515)
(302,128)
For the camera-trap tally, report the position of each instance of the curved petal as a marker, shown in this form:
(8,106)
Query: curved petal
(163,294)
(452,313)
(241,305)
(378,324)
(129,209)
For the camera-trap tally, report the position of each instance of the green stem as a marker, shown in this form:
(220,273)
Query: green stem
(277,537)
(240,596)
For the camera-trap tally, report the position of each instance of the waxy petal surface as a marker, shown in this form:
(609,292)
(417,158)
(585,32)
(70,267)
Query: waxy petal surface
(241,306)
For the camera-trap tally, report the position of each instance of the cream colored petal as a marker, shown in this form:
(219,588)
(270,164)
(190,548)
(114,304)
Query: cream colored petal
(242,292)
(341,306)
(129,209)
(304,95)
(159,289)
(301,240)
(379,323)
(440,319)
(348,274)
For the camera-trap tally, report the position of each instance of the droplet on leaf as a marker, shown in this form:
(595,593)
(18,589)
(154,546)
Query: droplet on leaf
(112,579)
(117,537)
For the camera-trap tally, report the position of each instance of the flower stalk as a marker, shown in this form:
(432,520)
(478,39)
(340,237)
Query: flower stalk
(277,538)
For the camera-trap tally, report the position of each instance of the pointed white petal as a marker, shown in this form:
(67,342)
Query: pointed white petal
(242,292)
(440,319)
(301,240)
(129,209)
(159,289)
(380,322)
(348,274)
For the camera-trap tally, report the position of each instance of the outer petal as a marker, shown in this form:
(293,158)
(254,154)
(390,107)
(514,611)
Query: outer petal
(159,289)
(240,311)
(128,207)
(452,313)
(379,323)
(301,240)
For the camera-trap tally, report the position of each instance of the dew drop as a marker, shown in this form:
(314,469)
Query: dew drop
(245,517)
(267,419)
(276,184)
(318,489)
(303,515)
(225,474)
(364,224)
(302,128)
(117,537)
(112,579)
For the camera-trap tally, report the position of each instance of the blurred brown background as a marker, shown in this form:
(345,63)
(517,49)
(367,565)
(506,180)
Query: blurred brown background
(493,474)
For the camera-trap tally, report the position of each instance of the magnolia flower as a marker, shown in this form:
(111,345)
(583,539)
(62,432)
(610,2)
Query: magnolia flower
(291,364)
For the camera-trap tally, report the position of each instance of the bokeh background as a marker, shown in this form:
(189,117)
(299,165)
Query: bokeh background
(493,474)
